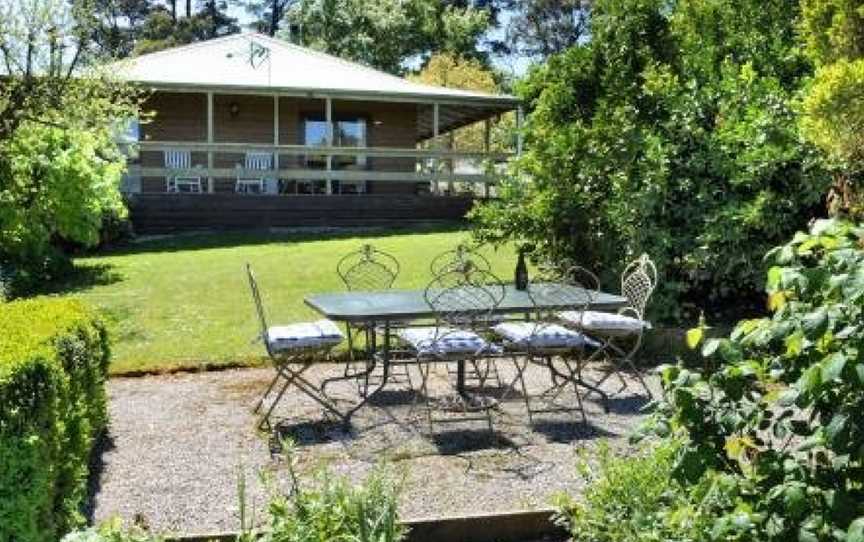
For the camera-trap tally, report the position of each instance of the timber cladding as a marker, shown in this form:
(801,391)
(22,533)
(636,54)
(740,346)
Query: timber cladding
(243,118)
(164,213)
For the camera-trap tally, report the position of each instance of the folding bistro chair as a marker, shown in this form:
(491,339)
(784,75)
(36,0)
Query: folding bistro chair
(463,301)
(293,349)
(182,177)
(543,341)
(456,258)
(622,333)
(367,269)
(253,184)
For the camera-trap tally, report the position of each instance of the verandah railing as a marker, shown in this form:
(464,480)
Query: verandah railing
(443,169)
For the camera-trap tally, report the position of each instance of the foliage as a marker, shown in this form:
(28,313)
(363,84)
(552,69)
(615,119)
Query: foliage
(833,109)
(163,29)
(448,70)
(542,28)
(671,132)
(60,167)
(776,421)
(120,28)
(111,531)
(833,29)
(53,363)
(336,510)
(629,498)
(384,33)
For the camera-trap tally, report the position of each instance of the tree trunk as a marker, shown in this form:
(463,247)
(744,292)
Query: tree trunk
(173,10)
(275,15)
(188,8)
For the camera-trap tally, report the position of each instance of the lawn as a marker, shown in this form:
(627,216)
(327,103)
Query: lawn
(184,302)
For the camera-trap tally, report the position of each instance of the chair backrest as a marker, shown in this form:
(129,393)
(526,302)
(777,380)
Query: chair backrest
(638,282)
(554,289)
(259,305)
(178,159)
(465,297)
(457,257)
(368,269)
(261,161)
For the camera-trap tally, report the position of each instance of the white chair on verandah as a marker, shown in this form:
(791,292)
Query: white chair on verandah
(182,176)
(252,183)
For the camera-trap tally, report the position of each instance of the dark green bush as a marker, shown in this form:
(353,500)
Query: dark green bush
(631,497)
(53,363)
(672,131)
(775,423)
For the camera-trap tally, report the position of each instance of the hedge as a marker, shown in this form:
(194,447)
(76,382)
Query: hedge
(53,363)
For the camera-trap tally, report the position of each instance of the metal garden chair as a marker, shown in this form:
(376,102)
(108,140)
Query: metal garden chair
(543,341)
(456,258)
(622,333)
(367,269)
(293,350)
(463,300)
(182,177)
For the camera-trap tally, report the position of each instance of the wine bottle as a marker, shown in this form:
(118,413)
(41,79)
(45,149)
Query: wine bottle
(521,275)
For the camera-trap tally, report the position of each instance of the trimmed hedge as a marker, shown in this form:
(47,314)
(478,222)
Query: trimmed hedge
(53,364)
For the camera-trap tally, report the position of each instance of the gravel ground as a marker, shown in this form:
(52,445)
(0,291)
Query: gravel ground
(177,446)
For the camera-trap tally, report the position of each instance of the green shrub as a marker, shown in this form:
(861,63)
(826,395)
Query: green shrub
(631,497)
(111,531)
(778,426)
(672,131)
(335,510)
(53,363)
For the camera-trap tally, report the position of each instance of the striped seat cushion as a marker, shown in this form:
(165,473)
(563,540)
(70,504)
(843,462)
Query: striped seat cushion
(540,335)
(445,341)
(604,322)
(303,335)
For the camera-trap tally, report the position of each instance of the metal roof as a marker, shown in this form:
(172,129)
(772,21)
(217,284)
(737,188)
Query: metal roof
(253,62)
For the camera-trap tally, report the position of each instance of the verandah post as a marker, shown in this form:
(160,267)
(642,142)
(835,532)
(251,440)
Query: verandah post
(210,181)
(276,140)
(329,118)
(436,146)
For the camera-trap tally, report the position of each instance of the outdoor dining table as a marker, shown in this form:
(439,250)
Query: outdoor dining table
(386,307)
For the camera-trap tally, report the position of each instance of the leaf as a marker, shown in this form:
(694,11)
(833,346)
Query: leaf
(832,367)
(774,276)
(710,347)
(694,337)
(776,300)
(856,531)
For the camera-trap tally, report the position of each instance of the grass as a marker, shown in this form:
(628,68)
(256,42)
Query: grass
(184,303)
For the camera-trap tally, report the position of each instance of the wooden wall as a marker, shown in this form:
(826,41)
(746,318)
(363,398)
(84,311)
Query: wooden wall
(164,213)
(183,117)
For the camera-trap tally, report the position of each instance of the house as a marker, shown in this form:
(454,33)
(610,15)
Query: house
(247,131)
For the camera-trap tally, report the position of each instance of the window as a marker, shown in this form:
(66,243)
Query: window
(347,132)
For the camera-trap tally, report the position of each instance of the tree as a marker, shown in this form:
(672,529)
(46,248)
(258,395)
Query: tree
(385,33)
(117,23)
(833,110)
(60,167)
(448,70)
(542,28)
(672,131)
(268,14)
(163,30)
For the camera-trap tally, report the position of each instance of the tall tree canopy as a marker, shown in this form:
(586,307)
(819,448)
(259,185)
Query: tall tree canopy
(385,34)
(541,28)
(124,27)
(672,131)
